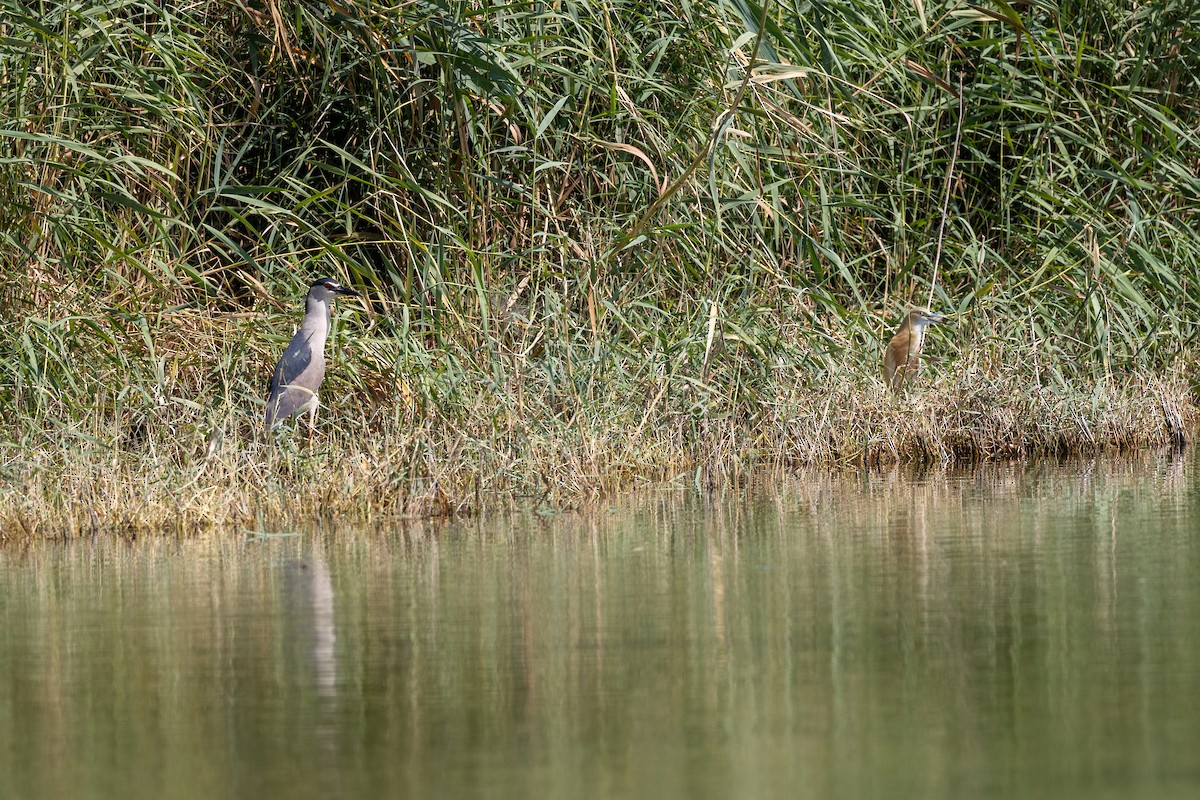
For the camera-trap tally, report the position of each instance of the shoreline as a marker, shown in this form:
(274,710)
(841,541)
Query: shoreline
(76,484)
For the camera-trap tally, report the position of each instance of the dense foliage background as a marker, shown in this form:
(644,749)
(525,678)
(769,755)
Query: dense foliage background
(586,199)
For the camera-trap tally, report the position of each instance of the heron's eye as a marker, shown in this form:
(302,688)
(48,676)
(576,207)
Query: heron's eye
(329,286)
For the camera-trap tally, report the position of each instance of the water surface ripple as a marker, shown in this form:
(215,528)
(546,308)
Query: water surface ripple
(1026,631)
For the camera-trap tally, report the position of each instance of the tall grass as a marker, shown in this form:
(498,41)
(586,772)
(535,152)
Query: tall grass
(642,231)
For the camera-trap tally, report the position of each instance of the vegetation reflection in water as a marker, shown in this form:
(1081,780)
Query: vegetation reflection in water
(1020,631)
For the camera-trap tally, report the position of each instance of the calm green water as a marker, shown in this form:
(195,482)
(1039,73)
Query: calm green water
(1022,631)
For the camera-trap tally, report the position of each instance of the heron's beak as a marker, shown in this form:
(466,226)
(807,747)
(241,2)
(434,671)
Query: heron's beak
(346,290)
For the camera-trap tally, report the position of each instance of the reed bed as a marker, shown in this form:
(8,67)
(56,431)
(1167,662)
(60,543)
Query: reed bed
(599,243)
(518,440)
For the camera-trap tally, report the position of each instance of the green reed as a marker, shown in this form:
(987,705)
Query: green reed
(599,241)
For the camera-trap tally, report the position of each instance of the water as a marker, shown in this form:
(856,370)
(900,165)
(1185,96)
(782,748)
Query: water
(1020,631)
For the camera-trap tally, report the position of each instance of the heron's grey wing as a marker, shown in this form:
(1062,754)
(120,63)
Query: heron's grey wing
(296,379)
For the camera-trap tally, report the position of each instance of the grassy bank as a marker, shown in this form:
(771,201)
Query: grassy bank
(468,438)
(600,243)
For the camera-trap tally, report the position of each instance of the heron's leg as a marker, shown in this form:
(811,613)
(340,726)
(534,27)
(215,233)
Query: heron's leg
(312,418)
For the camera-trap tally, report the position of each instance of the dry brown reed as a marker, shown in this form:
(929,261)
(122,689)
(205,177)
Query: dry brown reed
(178,476)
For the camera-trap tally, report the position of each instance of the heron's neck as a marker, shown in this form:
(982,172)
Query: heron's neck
(918,336)
(316,318)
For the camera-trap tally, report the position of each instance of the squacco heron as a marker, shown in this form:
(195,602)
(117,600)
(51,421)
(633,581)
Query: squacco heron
(900,357)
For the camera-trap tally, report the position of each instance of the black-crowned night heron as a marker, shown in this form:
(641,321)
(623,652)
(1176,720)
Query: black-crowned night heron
(301,368)
(900,360)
